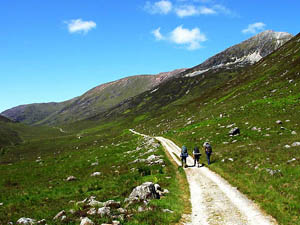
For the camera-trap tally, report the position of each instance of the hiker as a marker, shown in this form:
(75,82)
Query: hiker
(197,155)
(184,154)
(208,150)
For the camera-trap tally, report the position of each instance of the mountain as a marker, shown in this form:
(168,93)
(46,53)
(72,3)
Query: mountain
(4,119)
(106,96)
(89,104)
(246,53)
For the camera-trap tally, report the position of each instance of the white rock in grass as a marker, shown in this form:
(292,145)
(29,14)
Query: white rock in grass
(294,132)
(295,144)
(71,178)
(230,159)
(292,160)
(104,211)
(95,164)
(86,221)
(95,174)
(26,221)
(1,203)
(59,215)
(92,211)
(167,211)
(287,146)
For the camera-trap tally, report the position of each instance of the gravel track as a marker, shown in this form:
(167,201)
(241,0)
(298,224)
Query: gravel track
(214,201)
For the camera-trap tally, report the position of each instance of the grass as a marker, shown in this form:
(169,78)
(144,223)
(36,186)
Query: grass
(33,176)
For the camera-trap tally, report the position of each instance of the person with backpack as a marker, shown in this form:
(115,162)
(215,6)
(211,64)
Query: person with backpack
(184,154)
(208,150)
(197,155)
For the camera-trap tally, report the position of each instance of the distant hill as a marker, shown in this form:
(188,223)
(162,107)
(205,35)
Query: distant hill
(93,102)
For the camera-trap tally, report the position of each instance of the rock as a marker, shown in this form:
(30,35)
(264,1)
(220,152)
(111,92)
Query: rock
(287,146)
(104,211)
(95,174)
(43,221)
(234,131)
(294,132)
(122,211)
(230,159)
(142,209)
(295,144)
(95,164)
(292,160)
(92,211)
(59,215)
(1,203)
(254,128)
(273,172)
(144,192)
(86,221)
(71,178)
(112,204)
(167,211)
(26,221)
(279,122)
(93,202)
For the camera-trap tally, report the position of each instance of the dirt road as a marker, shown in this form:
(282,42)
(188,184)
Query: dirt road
(214,201)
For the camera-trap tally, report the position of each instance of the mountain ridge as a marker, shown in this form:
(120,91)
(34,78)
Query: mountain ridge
(105,96)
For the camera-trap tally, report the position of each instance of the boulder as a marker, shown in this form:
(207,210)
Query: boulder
(104,211)
(86,221)
(234,131)
(144,192)
(26,221)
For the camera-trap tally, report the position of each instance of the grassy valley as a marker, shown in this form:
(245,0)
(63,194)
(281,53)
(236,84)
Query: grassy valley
(262,100)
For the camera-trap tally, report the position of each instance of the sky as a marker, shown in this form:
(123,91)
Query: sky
(54,50)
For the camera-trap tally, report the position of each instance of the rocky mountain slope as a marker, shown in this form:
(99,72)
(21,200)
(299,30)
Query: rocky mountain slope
(246,53)
(89,104)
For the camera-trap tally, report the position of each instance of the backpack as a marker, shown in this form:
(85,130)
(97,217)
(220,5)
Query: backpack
(196,150)
(208,148)
(184,152)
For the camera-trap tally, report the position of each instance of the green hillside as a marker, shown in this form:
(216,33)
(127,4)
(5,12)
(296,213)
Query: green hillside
(263,161)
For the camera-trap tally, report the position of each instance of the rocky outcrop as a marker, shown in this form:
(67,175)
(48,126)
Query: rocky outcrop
(26,221)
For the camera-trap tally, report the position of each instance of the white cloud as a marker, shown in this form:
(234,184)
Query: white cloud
(254,28)
(158,36)
(189,38)
(222,9)
(80,26)
(160,7)
(191,10)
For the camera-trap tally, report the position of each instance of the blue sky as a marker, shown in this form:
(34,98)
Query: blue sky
(54,50)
